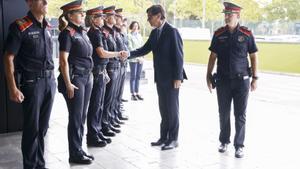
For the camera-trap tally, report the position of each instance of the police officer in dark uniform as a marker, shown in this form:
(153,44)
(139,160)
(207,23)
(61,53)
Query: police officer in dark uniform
(29,44)
(230,46)
(75,80)
(112,68)
(122,44)
(95,20)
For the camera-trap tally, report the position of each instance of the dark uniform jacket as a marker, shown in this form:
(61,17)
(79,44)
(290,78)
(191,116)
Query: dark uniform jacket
(167,54)
(31,43)
(232,51)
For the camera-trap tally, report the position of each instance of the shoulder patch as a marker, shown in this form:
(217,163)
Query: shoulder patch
(71,30)
(220,31)
(106,33)
(245,30)
(24,23)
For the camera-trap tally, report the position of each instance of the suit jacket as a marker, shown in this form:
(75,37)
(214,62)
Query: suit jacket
(167,54)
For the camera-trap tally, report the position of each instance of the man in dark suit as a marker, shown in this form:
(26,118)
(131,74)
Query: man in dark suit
(166,45)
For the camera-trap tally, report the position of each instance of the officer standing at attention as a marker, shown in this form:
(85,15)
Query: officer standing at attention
(75,80)
(112,68)
(29,46)
(95,20)
(122,44)
(230,46)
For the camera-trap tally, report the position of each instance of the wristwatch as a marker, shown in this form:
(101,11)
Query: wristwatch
(255,77)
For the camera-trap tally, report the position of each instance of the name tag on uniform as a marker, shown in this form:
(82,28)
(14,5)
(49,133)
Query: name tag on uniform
(77,37)
(222,37)
(34,34)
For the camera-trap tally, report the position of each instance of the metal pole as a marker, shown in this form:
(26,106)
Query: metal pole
(203,13)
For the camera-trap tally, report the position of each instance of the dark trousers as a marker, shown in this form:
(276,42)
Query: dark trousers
(77,107)
(95,111)
(135,76)
(169,110)
(110,96)
(120,89)
(39,95)
(238,91)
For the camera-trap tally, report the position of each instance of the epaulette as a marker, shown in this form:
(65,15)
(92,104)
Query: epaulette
(24,23)
(71,30)
(220,31)
(105,32)
(245,30)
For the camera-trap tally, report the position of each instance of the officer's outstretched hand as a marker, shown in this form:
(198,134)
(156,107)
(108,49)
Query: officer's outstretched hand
(209,84)
(253,85)
(16,96)
(70,90)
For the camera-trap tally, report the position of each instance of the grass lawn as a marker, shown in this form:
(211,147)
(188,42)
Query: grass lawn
(277,57)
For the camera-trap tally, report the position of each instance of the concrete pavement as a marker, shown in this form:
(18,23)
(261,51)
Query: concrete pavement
(272,134)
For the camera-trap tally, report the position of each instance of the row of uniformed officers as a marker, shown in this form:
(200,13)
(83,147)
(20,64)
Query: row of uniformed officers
(91,76)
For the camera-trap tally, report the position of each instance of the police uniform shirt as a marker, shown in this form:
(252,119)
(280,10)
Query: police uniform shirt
(110,38)
(232,50)
(120,41)
(30,41)
(96,38)
(74,40)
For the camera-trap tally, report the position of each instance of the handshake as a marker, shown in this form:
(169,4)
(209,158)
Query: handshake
(123,55)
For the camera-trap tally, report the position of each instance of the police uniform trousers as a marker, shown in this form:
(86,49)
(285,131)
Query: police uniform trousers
(110,94)
(95,111)
(77,107)
(39,91)
(120,89)
(237,90)
(169,110)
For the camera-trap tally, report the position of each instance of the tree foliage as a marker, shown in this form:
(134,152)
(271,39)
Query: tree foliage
(283,10)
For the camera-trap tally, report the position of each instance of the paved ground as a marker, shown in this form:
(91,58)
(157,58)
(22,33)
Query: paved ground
(272,138)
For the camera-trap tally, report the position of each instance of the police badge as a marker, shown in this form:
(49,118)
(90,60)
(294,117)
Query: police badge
(241,38)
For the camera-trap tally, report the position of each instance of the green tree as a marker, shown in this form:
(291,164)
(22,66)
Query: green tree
(283,10)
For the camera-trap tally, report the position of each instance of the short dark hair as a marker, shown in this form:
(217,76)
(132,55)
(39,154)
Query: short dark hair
(156,9)
(132,23)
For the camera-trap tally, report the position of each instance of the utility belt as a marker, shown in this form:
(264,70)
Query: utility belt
(113,65)
(78,70)
(98,70)
(37,74)
(22,77)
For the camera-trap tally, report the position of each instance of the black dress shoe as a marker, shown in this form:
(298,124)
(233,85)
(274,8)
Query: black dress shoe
(95,142)
(102,137)
(80,160)
(139,97)
(134,98)
(114,129)
(223,148)
(124,100)
(158,143)
(119,121)
(123,117)
(170,145)
(108,133)
(115,124)
(239,152)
